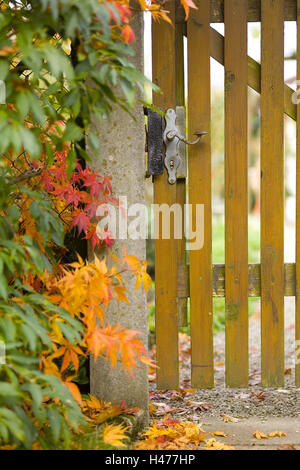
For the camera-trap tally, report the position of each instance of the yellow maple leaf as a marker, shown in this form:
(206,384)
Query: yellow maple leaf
(146,444)
(93,402)
(114,435)
(219,433)
(213,444)
(171,434)
(277,434)
(152,409)
(260,435)
(229,419)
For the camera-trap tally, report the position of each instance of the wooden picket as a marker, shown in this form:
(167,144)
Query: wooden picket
(272,193)
(181,182)
(164,75)
(199,185)
(236,192)
(236,279)
(297,323)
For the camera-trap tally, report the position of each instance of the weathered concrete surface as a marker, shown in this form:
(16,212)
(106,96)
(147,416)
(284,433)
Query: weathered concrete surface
(121,156)
(240,434)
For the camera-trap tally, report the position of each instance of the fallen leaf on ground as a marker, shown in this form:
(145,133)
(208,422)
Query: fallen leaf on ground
(159,409)
(152,409)
(259,395)
(199,406)
(213,444)
(219,433)
(286,447)
(100,411)
(229,419)
(260,435)
(115,435)
(277,434)
(171,434)
(288,371)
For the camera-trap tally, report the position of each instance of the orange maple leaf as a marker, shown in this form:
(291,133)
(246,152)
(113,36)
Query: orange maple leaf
(187,4)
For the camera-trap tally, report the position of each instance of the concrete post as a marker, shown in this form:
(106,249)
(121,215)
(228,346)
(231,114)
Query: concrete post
(121,156)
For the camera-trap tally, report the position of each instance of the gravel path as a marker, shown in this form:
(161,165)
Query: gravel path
(255,400)
(239,403)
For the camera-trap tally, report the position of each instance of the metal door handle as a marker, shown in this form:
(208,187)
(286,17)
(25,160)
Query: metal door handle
(172,137)
(172,134)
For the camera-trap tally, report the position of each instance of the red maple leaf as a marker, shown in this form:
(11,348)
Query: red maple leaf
(82,221)
(92,180)
(92,235)
(128,34)
(73,196)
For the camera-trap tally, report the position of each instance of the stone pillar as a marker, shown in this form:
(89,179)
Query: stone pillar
(121,156)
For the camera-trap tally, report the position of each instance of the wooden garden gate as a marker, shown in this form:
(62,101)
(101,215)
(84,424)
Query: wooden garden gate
(236,280)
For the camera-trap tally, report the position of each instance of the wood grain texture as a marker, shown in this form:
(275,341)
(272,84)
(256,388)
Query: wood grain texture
(181,183)
(199,116)
(254,281)
(164,75)
(236,193)
(297,323)
(272,193)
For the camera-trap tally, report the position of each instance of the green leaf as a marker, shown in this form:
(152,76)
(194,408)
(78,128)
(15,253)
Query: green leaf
(72,132)
(35,392)
(29,142)
(30,431)
(3,286)
(22,103)
(128,90)
(13,423)
(30,336)
(9,389)
(71,162)
(55,423)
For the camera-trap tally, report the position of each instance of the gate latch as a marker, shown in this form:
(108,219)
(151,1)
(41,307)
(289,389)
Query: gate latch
(172,138)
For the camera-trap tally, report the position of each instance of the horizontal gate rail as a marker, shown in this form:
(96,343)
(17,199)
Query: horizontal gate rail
(254,281)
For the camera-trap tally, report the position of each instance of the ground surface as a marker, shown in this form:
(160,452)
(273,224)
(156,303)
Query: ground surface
(251,409)
(255,400)
(240,434)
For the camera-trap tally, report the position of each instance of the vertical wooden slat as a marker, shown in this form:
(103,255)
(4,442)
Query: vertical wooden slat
(297,329)
(199,113)
(181,183)
(272,193)
(164,75)
(236,192)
